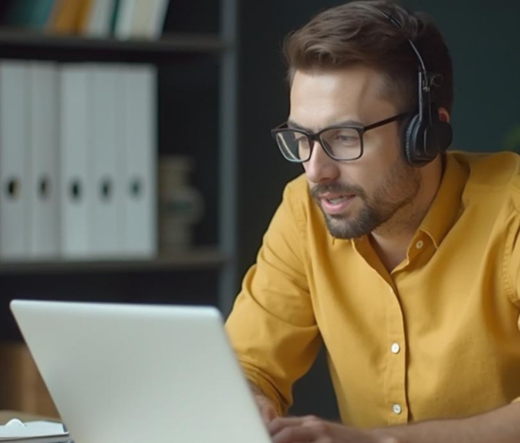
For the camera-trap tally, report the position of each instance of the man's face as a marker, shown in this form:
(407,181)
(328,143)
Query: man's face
(378,189)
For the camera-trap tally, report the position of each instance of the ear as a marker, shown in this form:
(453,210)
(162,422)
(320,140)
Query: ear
(444,115)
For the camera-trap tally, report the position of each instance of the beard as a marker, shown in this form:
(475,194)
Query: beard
(398,189)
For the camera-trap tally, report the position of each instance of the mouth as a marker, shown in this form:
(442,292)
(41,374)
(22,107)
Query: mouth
(336,204)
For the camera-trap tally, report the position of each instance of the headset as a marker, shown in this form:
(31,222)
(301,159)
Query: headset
(424,135)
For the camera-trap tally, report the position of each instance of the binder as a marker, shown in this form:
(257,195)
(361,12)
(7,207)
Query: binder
(138,147)
(13,164)
(75,197)
(105,220)
(43,156)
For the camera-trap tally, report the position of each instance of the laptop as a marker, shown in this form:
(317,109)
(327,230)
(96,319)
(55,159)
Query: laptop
(123,373)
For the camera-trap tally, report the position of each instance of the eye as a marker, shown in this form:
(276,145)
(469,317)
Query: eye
(343,137)
(299,138)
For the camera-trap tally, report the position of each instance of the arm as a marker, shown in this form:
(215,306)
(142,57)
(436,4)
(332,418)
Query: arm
(272,326)
(499,426)
(265,404)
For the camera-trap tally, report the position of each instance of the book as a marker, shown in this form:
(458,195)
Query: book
(65,16)
(84,14)
(100,18)
(39,431)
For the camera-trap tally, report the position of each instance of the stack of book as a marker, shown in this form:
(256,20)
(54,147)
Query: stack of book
(95,18)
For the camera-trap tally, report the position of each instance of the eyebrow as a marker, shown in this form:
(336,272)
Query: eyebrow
(293,125)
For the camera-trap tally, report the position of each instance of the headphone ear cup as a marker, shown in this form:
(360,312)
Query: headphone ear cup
(422,142)
(437,138)
(410,128)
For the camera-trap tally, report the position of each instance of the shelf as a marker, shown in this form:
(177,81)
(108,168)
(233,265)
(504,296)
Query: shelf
(197,259)
(26,44)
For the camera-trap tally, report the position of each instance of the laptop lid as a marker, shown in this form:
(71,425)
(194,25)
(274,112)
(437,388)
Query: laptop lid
(121,373)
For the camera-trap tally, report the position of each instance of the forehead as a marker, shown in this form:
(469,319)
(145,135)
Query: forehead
(323,98)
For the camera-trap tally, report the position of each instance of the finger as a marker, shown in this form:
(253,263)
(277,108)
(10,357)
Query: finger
(280,423)
(294,434)
(268,413)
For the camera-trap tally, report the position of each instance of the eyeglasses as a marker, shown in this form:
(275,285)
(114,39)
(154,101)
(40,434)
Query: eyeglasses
(341,143)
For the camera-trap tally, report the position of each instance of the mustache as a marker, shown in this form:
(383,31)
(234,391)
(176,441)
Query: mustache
(336,188)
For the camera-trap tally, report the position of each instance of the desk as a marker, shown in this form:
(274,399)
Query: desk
(21,386)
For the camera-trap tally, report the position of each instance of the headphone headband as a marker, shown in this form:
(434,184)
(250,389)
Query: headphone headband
(424,138)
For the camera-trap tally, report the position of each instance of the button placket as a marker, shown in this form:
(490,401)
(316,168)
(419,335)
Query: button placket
(395,382)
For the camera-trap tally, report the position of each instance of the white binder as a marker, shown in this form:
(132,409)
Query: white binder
(106,238)
(13,160)
(75,195)
(43,190)
(138,146)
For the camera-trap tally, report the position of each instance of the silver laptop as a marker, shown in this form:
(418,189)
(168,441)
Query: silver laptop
(121,373)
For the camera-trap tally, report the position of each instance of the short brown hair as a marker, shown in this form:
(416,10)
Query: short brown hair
(357,33)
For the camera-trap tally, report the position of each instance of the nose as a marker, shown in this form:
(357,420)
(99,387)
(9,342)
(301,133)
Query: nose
(320,168)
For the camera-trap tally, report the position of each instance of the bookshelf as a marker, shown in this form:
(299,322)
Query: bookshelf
(197,84)
(196,62)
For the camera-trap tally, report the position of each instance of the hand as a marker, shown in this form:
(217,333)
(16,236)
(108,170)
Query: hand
(266,407)
(312,429)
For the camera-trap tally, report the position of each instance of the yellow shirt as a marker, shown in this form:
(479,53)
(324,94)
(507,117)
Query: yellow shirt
(438,337)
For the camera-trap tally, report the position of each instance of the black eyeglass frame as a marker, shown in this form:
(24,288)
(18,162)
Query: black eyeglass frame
(316,137)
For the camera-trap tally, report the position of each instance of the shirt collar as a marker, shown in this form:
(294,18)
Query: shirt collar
(446,206)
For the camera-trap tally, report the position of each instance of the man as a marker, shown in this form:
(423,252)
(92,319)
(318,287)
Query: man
(400,258)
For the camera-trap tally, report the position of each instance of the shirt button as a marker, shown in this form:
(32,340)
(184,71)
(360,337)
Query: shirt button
(395,348)
(419,244)
(397,409)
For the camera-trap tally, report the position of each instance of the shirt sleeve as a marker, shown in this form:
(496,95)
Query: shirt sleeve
(513,282)
(272,326)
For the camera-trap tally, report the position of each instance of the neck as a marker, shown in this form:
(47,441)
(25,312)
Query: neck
(391,240)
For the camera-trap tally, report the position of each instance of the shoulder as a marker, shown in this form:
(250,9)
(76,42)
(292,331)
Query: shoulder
(298,201)
(297,188)
(495,176)
(296,194)
(493,170)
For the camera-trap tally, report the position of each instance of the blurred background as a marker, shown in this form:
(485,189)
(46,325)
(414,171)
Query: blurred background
(215,85)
